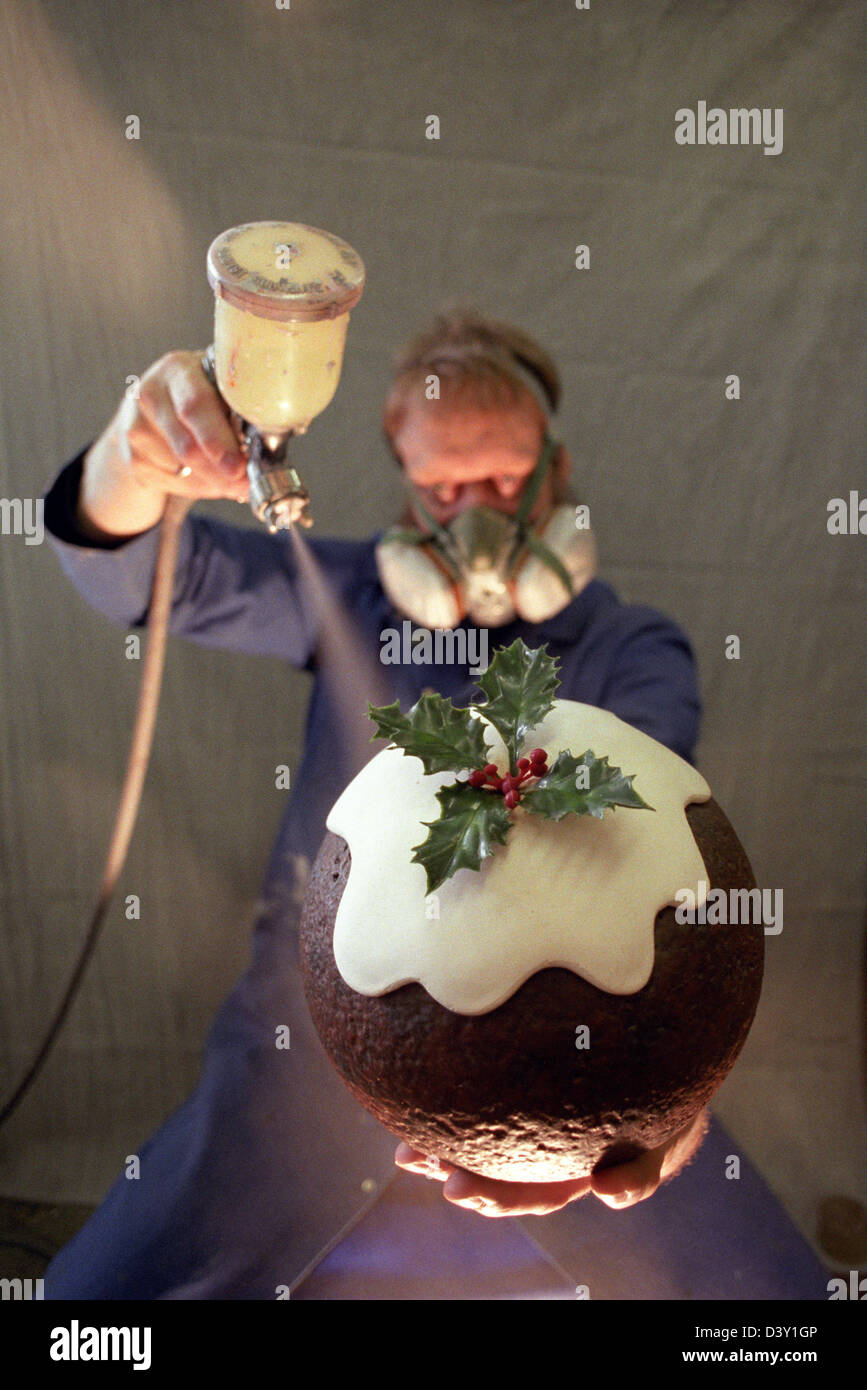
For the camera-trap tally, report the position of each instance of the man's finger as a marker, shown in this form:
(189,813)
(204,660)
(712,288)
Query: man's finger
(494,1198)
(425,1165)
(626,1197)
(629,1183)
(186,397)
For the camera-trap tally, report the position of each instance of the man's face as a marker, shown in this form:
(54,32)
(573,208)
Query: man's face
(473,457)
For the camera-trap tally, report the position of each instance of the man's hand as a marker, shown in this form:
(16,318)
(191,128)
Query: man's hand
(171,436)
(618,1187)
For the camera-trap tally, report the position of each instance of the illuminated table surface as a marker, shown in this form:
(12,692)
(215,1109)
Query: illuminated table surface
(701,1236)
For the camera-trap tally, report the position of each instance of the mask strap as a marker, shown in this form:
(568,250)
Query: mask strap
(433,526)
(532,541)
(537,477)
(544,553)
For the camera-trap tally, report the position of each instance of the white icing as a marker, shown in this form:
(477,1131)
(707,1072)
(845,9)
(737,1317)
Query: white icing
(580,893)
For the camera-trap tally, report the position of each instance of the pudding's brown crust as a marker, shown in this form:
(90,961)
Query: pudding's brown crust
(507,1094)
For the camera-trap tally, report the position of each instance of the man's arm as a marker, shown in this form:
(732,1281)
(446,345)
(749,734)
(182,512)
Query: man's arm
(234,587)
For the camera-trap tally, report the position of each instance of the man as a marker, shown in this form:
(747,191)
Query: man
(244,1187)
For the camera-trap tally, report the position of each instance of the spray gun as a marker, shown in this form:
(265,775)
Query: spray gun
(277,495)
(283,295)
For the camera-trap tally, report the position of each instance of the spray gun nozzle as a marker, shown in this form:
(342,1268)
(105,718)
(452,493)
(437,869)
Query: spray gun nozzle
(277,495)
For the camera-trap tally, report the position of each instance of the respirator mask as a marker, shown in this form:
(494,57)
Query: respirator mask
(488,566)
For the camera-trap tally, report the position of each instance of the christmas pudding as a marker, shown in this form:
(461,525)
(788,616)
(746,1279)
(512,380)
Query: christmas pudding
(500,964)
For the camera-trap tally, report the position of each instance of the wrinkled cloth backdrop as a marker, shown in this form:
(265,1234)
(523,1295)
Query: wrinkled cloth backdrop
(556,129)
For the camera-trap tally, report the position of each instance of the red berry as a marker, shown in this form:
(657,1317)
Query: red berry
(540,769)
(507,786)
(511,799)
(523,764)
(491,769)
(538,755)
(477,778)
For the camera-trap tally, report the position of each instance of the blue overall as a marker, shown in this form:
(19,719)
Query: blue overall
(270,1179)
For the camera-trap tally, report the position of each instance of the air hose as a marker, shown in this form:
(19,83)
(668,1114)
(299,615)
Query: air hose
(130,797)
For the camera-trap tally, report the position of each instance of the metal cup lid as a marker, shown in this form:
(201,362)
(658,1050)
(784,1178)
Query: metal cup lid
(285,270)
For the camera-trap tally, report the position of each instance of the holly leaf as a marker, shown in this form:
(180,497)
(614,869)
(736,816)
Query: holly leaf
(585,785)
(471,823)
(520,684)
(446,739)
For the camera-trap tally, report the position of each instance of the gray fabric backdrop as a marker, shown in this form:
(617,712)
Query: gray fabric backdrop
(556,128)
